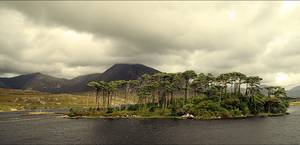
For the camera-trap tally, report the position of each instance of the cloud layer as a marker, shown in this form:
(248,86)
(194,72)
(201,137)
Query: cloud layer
(66,39)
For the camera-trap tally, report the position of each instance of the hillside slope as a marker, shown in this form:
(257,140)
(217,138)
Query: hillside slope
(78,84)
(294,92)
(45,83)
(35,81)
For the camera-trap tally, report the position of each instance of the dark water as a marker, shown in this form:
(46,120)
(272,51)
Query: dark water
(15,128)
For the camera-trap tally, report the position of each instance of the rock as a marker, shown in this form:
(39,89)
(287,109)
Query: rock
(188,116)
(40,113)
(13,109)
(63,116)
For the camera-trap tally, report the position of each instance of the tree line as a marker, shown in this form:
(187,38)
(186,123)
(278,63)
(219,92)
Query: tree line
(167,90)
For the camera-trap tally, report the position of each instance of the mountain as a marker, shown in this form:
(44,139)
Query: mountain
(2,85)
(78,84)
(126,72)
(45,83)
(35,81)
(294,92)
(116,72)
(263,90)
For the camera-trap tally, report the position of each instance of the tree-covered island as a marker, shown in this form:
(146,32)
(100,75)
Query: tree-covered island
(185,95)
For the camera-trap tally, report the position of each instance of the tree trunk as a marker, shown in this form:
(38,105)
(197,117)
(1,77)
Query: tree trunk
(103,98)
(239,88)
(97,99)
(246,93)
(126,91)
(186,90)
(172,98)
(231,88)
(225,91)
(108,94)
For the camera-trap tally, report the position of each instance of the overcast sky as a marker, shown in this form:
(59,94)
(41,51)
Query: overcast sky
(67,39)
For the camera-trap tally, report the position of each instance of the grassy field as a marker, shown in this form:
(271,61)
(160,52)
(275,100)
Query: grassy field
(13,100)
(295,103)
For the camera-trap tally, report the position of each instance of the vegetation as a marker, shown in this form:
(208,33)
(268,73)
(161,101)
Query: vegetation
(14,100)
(176,94)
(294,103)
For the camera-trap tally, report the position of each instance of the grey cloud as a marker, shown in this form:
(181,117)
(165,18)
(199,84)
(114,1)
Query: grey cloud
(72,38)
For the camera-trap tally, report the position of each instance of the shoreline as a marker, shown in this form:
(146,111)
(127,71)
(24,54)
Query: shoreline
(64,115)
(175,117)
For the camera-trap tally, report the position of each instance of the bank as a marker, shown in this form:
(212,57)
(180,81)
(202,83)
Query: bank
(163,115)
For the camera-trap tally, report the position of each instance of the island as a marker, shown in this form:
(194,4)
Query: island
(185,95)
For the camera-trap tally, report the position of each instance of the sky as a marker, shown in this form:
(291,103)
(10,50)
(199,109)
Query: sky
(68,39)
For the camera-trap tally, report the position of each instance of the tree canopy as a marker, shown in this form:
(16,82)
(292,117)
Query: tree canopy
(189,92)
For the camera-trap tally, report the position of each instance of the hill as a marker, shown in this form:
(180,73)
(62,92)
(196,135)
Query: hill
(126,72)
(45,83)
(294,92)
(35,81)
(2,85)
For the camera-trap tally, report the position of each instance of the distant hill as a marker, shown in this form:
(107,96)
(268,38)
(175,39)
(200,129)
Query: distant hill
(2,85)
(264,90)
(46,83)
(126,72)
(35,81)
(294,92)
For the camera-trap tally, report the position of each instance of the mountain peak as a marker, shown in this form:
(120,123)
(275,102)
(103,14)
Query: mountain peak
(128,65)
(125,71)
(37,74)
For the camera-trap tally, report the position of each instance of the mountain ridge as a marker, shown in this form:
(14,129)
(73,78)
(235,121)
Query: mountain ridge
(46,83)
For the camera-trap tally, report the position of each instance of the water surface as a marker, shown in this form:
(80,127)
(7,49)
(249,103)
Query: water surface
(17,128)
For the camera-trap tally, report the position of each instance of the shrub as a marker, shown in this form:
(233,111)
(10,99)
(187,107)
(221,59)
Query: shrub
(231,103)
(173,111)
(275,105)
(110,110)
(152,108)
(208,105)
(225,114)
(180,111)
(244,108)
(197,100)
(188,108)
(236,112)
(256,104)
(133,107)
(76,112)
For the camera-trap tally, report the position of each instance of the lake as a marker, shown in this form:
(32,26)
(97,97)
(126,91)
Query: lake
(17,128)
